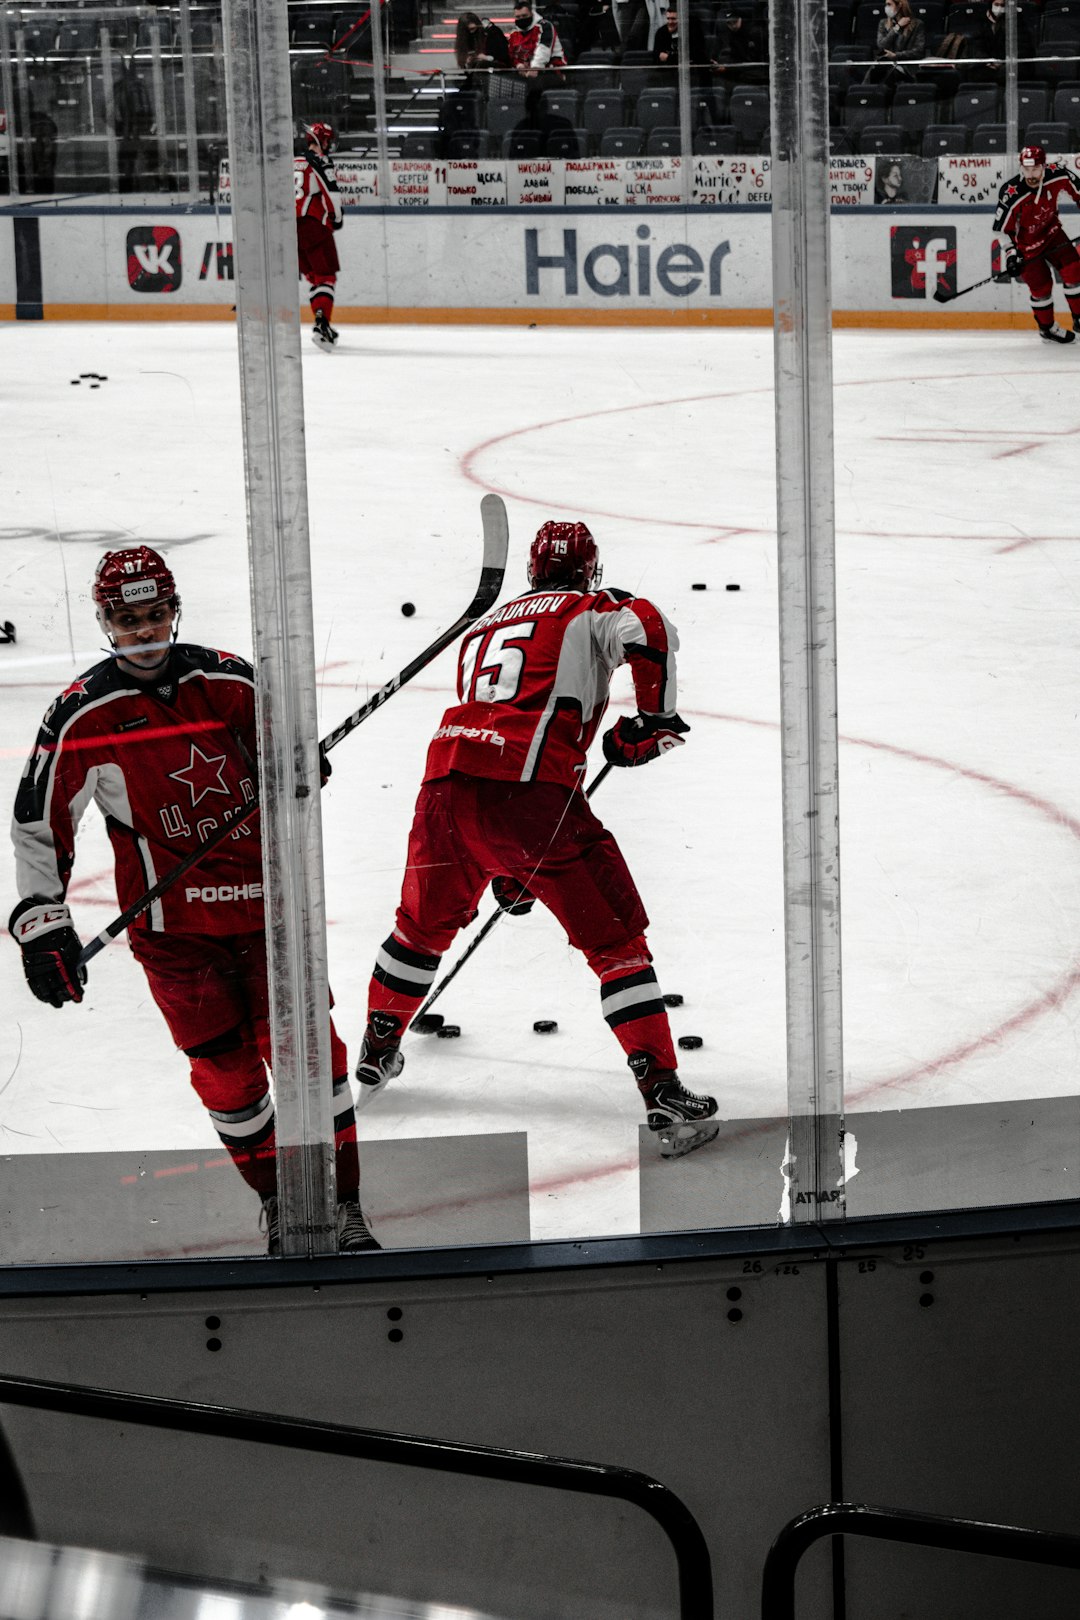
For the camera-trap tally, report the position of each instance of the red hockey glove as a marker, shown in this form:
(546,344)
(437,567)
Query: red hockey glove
(639,738)
(50,950)
(513,897)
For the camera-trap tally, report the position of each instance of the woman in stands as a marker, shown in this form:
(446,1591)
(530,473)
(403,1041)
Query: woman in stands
(901,38)
(480,43)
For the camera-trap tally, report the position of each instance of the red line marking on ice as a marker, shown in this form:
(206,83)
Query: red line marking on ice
(176,1170)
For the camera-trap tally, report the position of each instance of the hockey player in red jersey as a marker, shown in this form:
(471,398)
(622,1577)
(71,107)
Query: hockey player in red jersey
(161,735)
(1027,213)
(502,802)
(318,216)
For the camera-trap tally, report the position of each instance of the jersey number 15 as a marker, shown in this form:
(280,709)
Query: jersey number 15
(492,665)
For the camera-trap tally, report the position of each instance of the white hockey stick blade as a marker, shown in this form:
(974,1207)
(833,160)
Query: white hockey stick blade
(496,543)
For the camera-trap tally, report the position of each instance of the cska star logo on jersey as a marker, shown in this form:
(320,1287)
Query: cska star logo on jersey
(202,775)
(76,689)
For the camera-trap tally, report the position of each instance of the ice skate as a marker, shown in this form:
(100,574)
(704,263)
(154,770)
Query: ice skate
(270,1224)
(353,1233)
(380,1059)
(680,1120)
(324,334)
(1056,334)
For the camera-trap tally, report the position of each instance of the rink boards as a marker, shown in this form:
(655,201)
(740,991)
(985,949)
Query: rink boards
(654,263)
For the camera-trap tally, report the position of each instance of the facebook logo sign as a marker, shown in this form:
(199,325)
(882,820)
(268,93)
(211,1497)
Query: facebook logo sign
(923,260)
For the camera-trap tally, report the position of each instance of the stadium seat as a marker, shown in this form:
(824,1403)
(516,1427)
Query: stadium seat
(460,110)
(421,143)
(867,17)
(468,144)
(626,142)
(504,114)
(657,109)
(602,109)
(598,70)
(931,14)
(566,143)
(914,107)
(945,140)
(559,104)
(840,18)
(884,140)
(664,143)
(976,104)
(990,138)
(1067,104)
(716,140)
(1034,103)
(748,111)
(522,144)
(864,104)
(1054,137)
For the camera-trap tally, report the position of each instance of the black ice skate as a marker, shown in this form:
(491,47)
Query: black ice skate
(380,1060)
(680,1120)
(353,1233)
(1056,334)
(324,333)
(270,1224)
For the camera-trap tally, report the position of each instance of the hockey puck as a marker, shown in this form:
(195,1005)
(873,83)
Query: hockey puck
(428,1023)
(690,1043)
(95,385)
(75,382)
(408,608)
(673,1000)
(448,1032)
(545,1026)
(699,585)
(733,587)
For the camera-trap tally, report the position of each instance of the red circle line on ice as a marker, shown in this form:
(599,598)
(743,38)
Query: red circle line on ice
(1016,444)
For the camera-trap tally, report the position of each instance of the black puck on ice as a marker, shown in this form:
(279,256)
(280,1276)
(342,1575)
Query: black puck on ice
(408,608)
(673,999)
(448,1032)
(733,587)
(74,382)
(95,385)
(428,1023)
(545,1026)
(699,585)
(690,1043)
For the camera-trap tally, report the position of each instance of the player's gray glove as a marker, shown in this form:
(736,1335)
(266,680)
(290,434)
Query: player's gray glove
(50,950)
(636,739)
(513,897)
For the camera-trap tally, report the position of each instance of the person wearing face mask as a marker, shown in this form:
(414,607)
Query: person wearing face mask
(535,48)
(480,43)
(989,44)
(901,38)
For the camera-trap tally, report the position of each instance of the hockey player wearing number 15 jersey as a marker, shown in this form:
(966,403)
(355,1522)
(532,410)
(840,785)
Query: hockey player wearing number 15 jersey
(502,802)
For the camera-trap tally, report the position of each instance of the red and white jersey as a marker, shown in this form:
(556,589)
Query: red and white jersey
(317,195)
(164,762)
(1029,214)
(536,47)
(533,681)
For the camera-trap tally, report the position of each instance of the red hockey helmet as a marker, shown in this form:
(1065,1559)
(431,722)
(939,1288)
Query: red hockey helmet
(564,554)
(130,577)
(1032,157)
(323,135)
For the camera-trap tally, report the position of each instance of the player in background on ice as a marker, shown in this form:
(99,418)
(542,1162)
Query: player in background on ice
(1027,213)
(502,802)
(318,216)
(161,735)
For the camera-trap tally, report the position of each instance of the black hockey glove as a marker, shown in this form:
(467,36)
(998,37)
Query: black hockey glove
(1014,263)
(513,897)
(639,738)
(50,950)
(326,770)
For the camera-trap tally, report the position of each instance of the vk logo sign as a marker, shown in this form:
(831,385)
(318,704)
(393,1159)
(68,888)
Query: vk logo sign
(154,259)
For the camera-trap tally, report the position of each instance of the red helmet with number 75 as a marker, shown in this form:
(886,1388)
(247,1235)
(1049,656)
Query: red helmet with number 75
(564,554)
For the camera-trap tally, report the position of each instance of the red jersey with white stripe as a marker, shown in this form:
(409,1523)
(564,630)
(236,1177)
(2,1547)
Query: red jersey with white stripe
(1029,214)
(164,762)
(317,195)
(533,681)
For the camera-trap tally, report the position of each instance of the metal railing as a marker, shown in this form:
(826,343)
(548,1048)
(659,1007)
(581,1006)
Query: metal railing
(914,1529)
(415,1451)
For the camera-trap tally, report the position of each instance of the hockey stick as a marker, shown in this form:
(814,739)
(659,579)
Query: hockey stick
(485,930)
(943,296)
(496,540)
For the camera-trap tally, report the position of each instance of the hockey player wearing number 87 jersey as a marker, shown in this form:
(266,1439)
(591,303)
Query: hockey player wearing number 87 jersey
(502,802)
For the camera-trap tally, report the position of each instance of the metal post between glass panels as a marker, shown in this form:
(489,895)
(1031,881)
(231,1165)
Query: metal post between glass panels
(7,89)
(378,74)
(108,97)
(686,170)
(191,123)
(1012,89)
(22,119)
(802,320)
(157,83)
(264,231)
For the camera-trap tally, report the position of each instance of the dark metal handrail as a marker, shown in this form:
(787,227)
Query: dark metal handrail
(897,1524)
(415,1451)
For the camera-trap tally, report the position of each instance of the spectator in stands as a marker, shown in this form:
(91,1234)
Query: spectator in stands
(989,42)
(667,41)
(641,21)
(595,28)
(901,38)
(44,134)
(480,43)
(133,120)
(741,50)
(535,50)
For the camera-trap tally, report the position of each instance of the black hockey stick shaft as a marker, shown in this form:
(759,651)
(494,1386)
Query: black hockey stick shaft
(496,540)
(475,944)
(946,297)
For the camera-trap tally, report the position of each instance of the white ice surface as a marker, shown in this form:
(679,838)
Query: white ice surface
(959,588)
